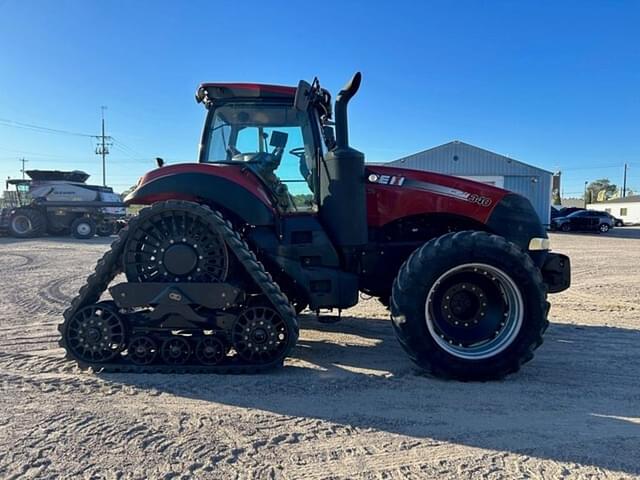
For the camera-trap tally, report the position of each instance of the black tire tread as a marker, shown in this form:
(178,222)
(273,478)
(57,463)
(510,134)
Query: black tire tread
(407,288)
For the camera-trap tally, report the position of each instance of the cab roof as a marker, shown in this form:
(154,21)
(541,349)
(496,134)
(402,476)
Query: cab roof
(210,92)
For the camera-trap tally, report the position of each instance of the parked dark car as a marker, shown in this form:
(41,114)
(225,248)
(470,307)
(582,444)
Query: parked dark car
(584,220)
(617,222)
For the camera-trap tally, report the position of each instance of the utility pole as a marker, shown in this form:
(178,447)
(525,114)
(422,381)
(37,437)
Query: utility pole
(23,161)
(586,182)
(624,182)
(103,148)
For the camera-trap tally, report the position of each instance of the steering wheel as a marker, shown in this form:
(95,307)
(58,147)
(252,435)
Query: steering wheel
(298,152)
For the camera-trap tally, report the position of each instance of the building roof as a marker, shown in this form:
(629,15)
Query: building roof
(629,199)
(434,152)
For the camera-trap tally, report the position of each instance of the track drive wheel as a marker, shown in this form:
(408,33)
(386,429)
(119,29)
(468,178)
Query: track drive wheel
(175,242)
(469,306)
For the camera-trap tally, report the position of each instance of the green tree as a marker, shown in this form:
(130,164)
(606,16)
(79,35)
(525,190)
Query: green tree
(127,192)
(602,185)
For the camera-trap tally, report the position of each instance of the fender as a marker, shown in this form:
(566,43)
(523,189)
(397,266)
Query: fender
(231,187)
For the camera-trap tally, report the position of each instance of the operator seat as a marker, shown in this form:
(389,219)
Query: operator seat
(264,164)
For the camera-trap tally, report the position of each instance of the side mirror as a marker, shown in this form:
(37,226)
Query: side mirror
(301,100)
(278,139)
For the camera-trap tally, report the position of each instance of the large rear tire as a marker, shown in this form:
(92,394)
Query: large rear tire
(27,223)
(469,306)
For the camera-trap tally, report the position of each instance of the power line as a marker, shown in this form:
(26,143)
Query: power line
(126,148)
(39,128)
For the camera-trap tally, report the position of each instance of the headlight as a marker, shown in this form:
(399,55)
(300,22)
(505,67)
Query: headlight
(537,243)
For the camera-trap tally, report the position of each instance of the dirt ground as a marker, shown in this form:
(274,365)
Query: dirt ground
(348,404)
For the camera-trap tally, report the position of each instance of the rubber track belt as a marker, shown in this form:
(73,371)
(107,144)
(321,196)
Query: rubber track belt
(110,265)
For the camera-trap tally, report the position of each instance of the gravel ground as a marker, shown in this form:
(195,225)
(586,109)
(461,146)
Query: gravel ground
(348,404)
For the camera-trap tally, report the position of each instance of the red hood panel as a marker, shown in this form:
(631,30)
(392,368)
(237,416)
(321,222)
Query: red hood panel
(401,192)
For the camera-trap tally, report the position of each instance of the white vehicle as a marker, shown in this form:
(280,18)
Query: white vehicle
(59,203)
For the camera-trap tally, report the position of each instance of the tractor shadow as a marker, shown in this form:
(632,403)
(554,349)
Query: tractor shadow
(576,402)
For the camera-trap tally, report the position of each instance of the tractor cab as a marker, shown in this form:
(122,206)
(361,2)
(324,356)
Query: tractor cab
(286,137)
(260,128)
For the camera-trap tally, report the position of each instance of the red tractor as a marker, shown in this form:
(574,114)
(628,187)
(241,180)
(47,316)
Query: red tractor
(281,214)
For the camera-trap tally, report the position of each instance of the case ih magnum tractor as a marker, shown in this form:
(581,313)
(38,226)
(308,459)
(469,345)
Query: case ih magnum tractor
(281,213)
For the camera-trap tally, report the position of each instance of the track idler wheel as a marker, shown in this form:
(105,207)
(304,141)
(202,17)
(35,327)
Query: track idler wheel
(142,350)
(96,333)
(175,351)
(210,350)
(260,335)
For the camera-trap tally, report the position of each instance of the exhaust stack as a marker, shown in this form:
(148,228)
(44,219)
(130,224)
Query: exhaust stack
(342,100)
(342,184)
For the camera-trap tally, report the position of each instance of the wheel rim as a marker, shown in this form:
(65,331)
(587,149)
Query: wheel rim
(604,228)
(176,246)
(565,227)
(474,311)
(96,334)
(21,224)
(83,229)
(175,351)
(260,335)
(210,350)
(142,350)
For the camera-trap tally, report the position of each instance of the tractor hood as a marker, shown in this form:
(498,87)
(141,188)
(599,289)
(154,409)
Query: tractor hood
(394,193)
(417,190)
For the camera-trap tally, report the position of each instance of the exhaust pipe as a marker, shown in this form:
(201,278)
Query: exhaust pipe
(342,124)
(343,203)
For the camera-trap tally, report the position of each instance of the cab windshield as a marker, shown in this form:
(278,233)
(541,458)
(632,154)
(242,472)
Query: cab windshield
(274,141)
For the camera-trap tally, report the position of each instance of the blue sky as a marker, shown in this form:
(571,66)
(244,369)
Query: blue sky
(555,84)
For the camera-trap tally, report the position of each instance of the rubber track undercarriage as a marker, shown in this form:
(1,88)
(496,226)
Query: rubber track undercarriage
(197,300)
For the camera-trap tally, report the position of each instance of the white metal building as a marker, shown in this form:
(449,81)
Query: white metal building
(467,161)
(627,209)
